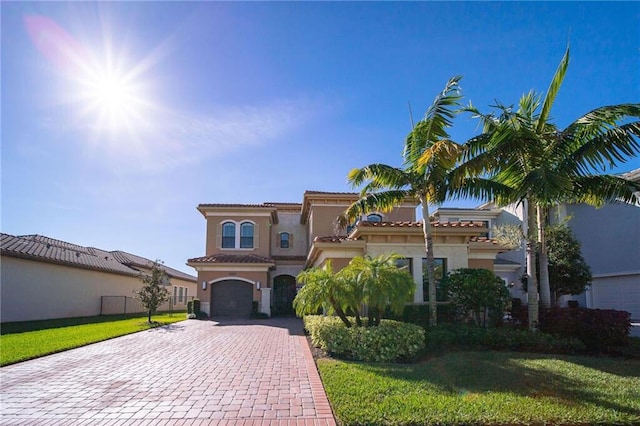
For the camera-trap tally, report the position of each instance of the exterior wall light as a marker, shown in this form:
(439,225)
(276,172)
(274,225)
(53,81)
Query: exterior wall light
(257,285)
(204,285)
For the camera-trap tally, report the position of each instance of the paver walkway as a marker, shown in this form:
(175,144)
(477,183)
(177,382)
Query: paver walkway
(188,373)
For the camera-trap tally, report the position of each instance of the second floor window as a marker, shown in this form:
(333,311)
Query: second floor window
(246,235)
(229,235)
(237,236)
(284,240)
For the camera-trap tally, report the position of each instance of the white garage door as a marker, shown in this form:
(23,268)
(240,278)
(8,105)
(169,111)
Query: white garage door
(620,293)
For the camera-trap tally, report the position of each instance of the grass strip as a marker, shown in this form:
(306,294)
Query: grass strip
(47,337)
(485,388)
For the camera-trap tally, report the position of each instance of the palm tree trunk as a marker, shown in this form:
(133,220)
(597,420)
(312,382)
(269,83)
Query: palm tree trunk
(545,289)
(339,311)
(532,280)
(431,276)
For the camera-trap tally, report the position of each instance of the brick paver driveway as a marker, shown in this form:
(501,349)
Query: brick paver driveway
(188,373)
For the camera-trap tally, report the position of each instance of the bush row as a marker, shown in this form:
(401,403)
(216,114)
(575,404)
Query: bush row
(599,330)
(444,336)
(390,341)
(419,314)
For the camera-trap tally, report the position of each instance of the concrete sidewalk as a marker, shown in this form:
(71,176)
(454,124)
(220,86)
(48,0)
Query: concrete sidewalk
(188,373)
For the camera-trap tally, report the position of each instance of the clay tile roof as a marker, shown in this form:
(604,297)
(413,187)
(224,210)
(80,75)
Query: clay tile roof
(142,262)
(38,247)
(332,239)
(231,258)
(483,240)
(332,193)
(234,205)
(408,224)
(46,249)
(460,224)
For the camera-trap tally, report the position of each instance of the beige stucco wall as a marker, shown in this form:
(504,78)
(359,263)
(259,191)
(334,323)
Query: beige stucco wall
(261,234)
(33,290)
(481,264)
(289,222)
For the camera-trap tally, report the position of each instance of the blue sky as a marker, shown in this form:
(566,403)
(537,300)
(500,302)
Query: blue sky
(118,119)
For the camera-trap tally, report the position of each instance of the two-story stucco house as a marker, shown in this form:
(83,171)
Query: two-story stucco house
(254,252)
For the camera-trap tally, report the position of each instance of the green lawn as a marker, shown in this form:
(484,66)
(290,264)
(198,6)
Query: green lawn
(27,340)
(485,388)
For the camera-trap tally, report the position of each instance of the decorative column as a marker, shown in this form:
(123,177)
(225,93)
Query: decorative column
(416,263)
(265,303)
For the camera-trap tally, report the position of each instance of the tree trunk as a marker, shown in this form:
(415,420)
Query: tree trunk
(431,276)
(339,312)
(149,316)
(532,280)
(545,289)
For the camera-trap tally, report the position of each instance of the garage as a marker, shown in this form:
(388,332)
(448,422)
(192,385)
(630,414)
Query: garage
(231,298)
(620,293)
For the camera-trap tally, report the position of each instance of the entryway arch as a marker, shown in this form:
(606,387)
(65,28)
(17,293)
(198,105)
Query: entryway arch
(284,291)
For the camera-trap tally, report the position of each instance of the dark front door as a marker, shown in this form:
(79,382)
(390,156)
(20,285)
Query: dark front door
(231,298)
(284,291)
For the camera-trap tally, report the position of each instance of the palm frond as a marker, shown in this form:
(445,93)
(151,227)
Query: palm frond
(597,190)
(433,125)
(379,201)
(613,146)
(553,90)
(379,176)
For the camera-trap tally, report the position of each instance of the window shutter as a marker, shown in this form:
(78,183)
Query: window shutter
(290,240)
(255,235)
(219,235)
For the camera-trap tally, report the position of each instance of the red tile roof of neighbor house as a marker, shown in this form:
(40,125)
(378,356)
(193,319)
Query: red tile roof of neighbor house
(332,239)
(484,240)
(231,258)
(46,249)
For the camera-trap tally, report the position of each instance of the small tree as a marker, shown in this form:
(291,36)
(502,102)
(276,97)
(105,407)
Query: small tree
(478,293)
(380,283)
(324,290)
(153,292)
(372,281)
(568,271)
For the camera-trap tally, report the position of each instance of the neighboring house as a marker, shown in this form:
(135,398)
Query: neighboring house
(45,278)
(610,239)
(255,251)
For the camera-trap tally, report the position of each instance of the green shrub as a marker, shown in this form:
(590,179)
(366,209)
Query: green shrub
(418,314)
(388,342)
(476,294)
(189,307)
(500,339)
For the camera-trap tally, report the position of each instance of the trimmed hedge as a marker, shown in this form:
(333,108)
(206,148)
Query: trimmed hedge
(418,314)
(444,336)
(391,341)
(601,330)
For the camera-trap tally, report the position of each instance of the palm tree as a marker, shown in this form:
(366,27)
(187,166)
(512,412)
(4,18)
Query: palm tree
(522,157)
(322,290)
(380,283)
(428,157)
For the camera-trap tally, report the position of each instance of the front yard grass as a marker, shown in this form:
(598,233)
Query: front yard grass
(33,339)
(486,387)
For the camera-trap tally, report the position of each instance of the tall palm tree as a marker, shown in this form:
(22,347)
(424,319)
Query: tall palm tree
(428,157)
(521,157)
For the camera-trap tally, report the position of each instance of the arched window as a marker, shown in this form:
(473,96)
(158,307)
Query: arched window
(228,235)
(246,235)
(284,240)
(374,218)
